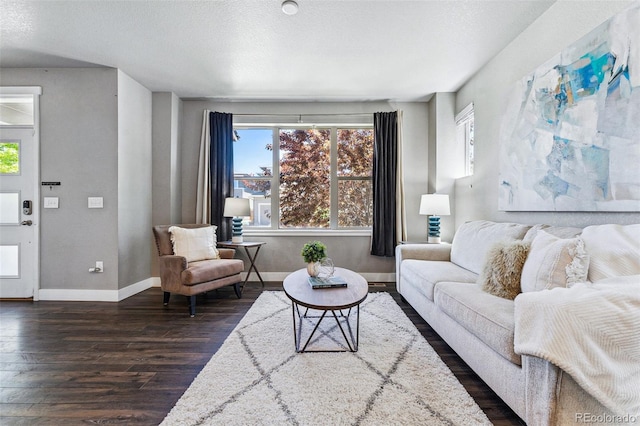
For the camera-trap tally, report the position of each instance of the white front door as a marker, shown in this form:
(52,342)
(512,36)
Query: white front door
(18,212)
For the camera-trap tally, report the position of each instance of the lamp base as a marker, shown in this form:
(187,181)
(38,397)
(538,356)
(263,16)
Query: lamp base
(434,240)
(236,230)
(434,230)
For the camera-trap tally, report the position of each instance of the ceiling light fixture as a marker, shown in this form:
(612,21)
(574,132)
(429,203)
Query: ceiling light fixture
(289,7)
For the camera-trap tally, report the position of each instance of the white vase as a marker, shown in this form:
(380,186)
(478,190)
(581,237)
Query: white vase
(313,269)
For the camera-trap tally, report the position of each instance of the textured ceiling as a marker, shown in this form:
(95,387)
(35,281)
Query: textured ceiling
(249,50)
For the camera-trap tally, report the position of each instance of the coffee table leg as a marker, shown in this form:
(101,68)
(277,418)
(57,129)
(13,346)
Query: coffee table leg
(295,330)
(312,332)
(298,319)
(342,330)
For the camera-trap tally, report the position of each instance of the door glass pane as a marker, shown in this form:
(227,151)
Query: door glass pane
(9,157)
(16,110)
(10,261)
(9,208)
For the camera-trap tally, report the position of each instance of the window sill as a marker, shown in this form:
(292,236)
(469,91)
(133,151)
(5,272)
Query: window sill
(307,232)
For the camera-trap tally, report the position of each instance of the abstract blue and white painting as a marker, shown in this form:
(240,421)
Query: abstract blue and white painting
(570,137)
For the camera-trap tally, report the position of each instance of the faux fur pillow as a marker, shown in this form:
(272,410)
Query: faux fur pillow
(502,269)
(194,243)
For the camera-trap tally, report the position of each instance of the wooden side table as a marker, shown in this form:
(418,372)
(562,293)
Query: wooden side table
(252,259)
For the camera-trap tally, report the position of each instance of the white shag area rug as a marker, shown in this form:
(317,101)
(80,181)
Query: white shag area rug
(256,377)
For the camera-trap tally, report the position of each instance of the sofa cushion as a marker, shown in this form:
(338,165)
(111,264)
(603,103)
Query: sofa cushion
(546,265)
(557,231)
(210,270)
(502,270)
(614,250)
(473,240)
(489,318)
(425,274)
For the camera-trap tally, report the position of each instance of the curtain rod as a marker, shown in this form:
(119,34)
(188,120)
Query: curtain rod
(302,115)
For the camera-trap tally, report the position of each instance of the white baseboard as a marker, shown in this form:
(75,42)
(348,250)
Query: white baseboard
(136,288)
(385,277)
(82,295)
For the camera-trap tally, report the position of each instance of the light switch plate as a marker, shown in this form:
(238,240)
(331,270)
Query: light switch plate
(95,203)
(50,202)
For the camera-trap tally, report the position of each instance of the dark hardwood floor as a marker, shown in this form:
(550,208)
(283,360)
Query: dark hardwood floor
(66,363)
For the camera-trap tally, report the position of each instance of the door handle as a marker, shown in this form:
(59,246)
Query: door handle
(27,222)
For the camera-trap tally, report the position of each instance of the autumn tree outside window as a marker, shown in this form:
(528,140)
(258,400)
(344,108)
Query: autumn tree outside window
(305,177)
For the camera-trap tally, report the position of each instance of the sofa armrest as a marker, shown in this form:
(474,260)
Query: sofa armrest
(226,253)
(171,268)
(438,252)
(424,252)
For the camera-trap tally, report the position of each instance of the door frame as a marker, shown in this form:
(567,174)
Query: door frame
(35,91)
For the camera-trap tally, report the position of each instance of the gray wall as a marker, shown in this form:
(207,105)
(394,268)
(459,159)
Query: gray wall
(95,138)
(167,167)
(79,148)
(134,181)
(446,156)
(167,189)
(477,196)
(282,253)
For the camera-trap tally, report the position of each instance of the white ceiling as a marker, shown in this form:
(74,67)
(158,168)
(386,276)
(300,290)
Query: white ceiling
(335,50)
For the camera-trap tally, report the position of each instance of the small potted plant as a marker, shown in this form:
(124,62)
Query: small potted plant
(312,253)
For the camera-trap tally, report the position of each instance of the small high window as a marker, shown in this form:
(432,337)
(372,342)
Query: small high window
(465,134)
(16,110)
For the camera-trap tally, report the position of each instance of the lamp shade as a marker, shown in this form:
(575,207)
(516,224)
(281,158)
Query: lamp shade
(234,207)
(435,205)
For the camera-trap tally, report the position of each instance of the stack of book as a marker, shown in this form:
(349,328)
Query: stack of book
(326,282)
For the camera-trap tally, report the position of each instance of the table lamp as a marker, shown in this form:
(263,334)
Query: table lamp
(434,205)
(236,208)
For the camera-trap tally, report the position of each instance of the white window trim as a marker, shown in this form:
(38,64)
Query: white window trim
(463,119)
(465,115)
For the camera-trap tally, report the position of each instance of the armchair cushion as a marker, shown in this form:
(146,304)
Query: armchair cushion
(194,243)
(210,270)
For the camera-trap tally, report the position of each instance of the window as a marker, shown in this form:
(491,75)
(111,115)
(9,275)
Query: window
(305,177)
(16,110)
(465,132)
(9,157)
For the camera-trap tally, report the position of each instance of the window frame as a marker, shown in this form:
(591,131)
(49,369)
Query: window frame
(274,228)
(465,122)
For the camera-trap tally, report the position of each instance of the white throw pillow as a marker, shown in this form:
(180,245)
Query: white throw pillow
(473,240)
(614,250)
(194,243)
(547,262)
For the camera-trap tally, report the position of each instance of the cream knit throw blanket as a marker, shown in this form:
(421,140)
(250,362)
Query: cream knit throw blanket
(591,331)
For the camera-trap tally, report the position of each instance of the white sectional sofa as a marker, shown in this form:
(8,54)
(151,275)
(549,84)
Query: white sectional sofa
(439,281)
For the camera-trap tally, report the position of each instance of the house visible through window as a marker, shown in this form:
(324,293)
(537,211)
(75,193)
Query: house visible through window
(305,177)
(465,134)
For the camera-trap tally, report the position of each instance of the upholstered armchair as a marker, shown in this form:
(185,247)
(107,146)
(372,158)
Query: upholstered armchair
(189,278)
